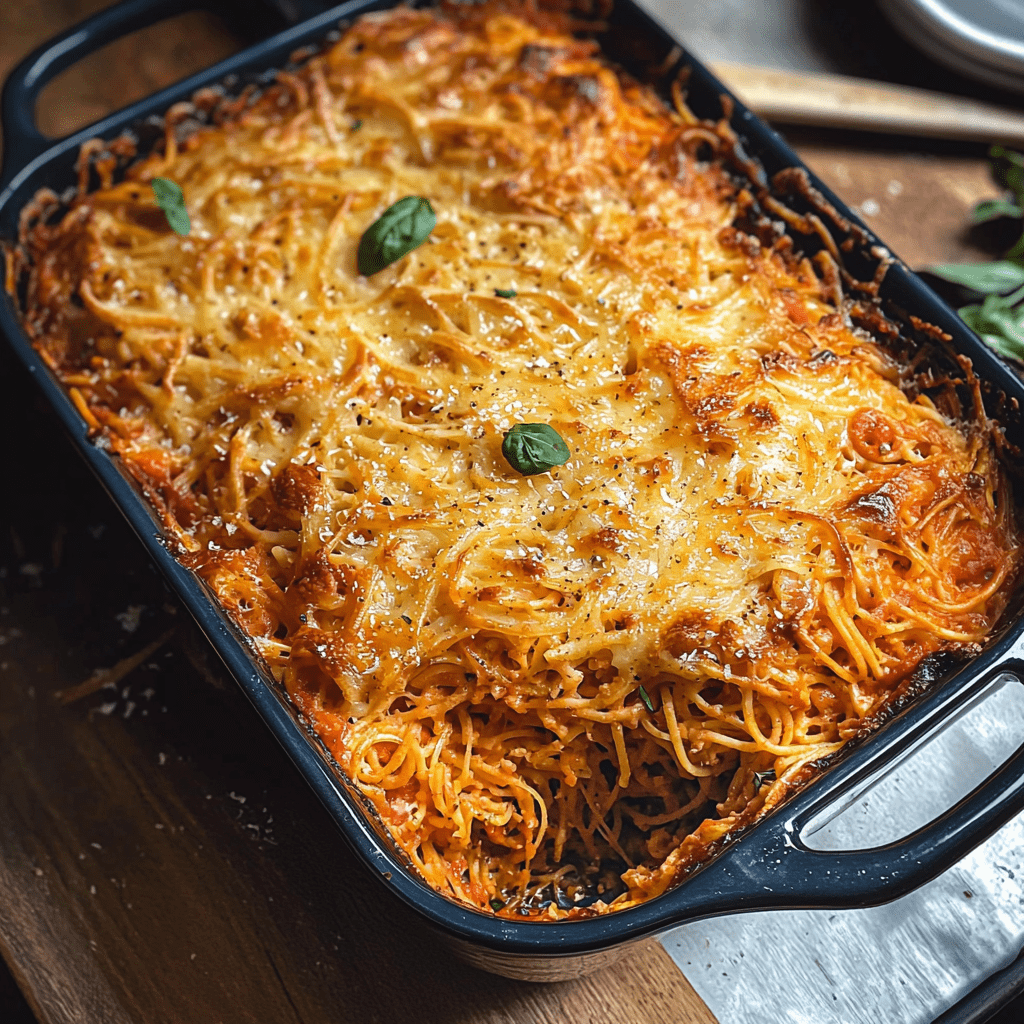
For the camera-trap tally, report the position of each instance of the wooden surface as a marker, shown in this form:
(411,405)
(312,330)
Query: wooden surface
(160,859)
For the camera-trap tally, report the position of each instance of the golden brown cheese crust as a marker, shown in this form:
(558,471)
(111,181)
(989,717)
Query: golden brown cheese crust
(551,687)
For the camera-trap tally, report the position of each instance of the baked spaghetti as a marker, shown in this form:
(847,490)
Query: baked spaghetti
(556,690)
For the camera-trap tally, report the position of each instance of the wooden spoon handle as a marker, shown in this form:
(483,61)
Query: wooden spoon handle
(834,101)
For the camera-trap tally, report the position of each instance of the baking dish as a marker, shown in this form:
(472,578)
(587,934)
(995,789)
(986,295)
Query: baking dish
(769,866)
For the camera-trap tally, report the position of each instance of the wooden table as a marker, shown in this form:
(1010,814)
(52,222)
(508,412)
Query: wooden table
(160,859)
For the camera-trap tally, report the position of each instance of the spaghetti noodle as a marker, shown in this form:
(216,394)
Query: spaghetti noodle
(557,691)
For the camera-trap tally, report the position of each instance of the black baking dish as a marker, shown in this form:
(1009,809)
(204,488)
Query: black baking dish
(768,866)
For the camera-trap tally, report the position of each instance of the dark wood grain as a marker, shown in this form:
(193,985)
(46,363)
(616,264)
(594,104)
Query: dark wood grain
(160,859)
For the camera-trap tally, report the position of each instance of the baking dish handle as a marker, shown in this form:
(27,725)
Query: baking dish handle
(775,869)
(22,139)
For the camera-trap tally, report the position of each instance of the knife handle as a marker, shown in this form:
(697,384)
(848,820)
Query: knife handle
(836,101)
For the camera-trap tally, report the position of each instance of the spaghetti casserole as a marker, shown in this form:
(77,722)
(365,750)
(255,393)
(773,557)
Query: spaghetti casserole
(556,690)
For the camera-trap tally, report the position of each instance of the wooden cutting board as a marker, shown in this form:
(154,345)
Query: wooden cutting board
(160,859)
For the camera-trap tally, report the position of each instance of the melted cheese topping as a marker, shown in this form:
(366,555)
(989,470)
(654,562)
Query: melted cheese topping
(554,689)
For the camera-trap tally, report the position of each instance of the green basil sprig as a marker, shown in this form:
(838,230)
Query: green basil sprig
(1008,168)
(532,448)
(395,233)
(999,317)
(999,321)
(505,293)
(987,278)
(646,698)
(171,200)
(993,209)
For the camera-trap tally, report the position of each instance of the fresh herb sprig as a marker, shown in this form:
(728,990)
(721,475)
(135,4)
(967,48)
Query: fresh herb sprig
(998,318)
(531,448)
(395,233)
(171,200)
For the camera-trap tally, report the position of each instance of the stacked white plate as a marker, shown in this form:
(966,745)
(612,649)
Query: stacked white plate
(983,39)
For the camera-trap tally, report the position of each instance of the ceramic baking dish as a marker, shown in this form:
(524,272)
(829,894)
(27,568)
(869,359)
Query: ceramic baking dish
(767,866)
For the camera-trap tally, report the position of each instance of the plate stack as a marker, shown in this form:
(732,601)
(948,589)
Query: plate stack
(983,39)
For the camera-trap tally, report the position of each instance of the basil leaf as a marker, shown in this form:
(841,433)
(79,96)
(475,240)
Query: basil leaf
(996,153)
(993,209)
(971,315)
(1005,348)
(1009,169)
(997,326)
(505,293)
(532,448)
(1000,276)
(398,230)
(646,698)
(1006,324)
(999,319)
(171,200)
(760,778)
(1014,178)
(497,904)
(357,124)
(1007,301)
(1017,250)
